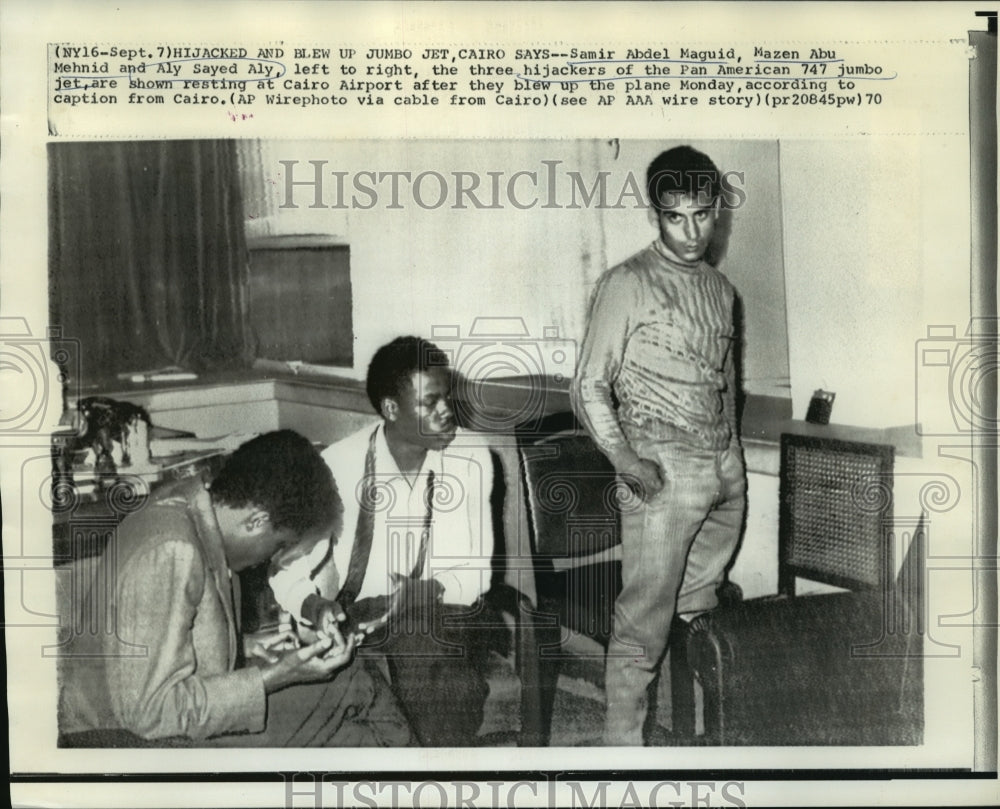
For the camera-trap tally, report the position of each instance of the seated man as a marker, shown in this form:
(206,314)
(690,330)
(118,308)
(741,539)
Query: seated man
(416,546)
(169,667)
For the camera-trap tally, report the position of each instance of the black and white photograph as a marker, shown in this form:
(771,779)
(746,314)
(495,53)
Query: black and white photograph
(630,464)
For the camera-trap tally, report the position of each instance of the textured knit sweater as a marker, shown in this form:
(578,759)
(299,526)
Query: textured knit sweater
(657,361)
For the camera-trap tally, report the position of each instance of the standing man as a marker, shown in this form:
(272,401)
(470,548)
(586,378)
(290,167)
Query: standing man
(416,547)
(173,665)
(656,389)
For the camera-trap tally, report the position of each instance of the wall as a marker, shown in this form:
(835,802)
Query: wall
(755,569)
(417,265)
(866,233)
(875,250)
(532,259)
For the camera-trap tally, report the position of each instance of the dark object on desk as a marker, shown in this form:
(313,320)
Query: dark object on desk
(840,668)
(574,502)
(101,424)
(820,407)
(106,421)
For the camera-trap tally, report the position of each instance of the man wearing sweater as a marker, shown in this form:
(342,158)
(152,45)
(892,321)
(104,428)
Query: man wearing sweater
(176,668)
(656,389)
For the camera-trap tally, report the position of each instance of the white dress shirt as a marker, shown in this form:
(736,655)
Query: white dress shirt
(460,546)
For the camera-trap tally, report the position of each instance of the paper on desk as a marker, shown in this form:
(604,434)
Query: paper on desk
(166,369)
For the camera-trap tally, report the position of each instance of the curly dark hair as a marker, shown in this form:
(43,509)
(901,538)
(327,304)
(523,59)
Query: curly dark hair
(283,474)
(393,363)
(679,171)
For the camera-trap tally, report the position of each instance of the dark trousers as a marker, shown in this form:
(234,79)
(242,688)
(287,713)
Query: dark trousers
(437,658)
(353,709)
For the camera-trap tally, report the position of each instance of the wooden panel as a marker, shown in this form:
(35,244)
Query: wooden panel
(323,424)
(210,421)
(300,303)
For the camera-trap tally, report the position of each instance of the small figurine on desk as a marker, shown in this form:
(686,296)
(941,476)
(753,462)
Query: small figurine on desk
(115,435)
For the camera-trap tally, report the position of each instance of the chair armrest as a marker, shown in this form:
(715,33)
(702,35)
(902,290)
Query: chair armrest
(827,625)
(730,594)
(808,634)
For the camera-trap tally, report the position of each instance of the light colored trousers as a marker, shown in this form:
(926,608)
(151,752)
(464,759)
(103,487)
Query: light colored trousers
(675,549)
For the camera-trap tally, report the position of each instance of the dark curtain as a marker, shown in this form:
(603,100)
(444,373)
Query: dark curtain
(147,255)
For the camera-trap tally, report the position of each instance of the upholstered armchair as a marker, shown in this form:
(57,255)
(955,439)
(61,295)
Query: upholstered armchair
(840,667)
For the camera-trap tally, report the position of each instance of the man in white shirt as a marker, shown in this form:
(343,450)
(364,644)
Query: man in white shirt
(416,545)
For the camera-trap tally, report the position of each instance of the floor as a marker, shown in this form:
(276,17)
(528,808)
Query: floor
(578,714)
